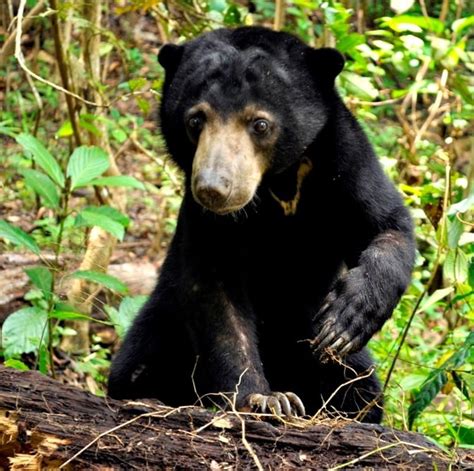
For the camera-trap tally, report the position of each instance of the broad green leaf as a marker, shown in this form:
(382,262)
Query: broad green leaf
(119,180)
(359,86)
(124,316)
(43,186)
(456,266)
(42,278)
(17,364)
(42,157)
(88,218)
(18,237)
(465,435)
(437,379)
(438,295)
(462,206)
(462,23)
(24,330)
(110,213)
(414,23)
(85,164)
(108,281)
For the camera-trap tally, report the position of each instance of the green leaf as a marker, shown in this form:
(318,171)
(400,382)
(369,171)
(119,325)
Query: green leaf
(18,237)
(69,316)
(42,278)
(24,330)
(123,318)
(43,186)
(232,16)
(42,157)
(85,164)
(89,217)
(414,23)
(137,83)
(462,24)
(359,86)
(65,130)
(463,206)
(437,379)
(438,295)
(217,5)
(103,279)
(456,266)
(17,364)
(119,180)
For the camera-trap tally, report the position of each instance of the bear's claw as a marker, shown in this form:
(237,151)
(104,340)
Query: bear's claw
(288,403)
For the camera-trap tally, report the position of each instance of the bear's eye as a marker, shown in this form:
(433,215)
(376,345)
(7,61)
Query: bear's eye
(195,123)
(261,126)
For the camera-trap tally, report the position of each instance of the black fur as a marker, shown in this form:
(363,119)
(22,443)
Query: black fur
(244,292)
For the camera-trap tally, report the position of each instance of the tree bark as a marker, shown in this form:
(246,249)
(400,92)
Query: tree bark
(46,425)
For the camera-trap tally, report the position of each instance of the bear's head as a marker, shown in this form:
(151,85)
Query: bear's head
(242,104)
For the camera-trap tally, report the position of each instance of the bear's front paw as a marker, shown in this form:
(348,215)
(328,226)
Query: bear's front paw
(278,403)
(347,319)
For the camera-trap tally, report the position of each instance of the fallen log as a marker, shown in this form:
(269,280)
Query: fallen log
(47,425)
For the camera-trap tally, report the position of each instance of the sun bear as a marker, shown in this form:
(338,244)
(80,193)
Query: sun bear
(292,247)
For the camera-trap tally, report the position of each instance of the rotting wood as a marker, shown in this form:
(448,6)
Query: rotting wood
(43,424)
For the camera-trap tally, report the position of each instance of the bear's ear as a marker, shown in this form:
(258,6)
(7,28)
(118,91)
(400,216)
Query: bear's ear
(325,63)
(170,56)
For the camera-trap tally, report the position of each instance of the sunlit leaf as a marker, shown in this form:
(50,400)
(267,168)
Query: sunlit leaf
(438,295)
(17,364)
(124,316)
(24,330)
(85,164)
(359,86)
(462,24)
(65,130)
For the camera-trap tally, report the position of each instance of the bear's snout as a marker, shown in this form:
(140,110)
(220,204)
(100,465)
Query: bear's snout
(212,190)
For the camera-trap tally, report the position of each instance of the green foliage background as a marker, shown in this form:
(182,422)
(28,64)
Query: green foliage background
(408,78)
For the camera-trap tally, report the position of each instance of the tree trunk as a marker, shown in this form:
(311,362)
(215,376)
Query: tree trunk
(44,424)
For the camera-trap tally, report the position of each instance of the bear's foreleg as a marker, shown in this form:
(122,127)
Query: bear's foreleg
(364,298)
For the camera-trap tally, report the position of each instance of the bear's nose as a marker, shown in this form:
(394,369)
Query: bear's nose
(212,190)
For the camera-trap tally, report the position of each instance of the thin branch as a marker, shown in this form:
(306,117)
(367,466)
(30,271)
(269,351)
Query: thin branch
(21,60)
(9,45)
